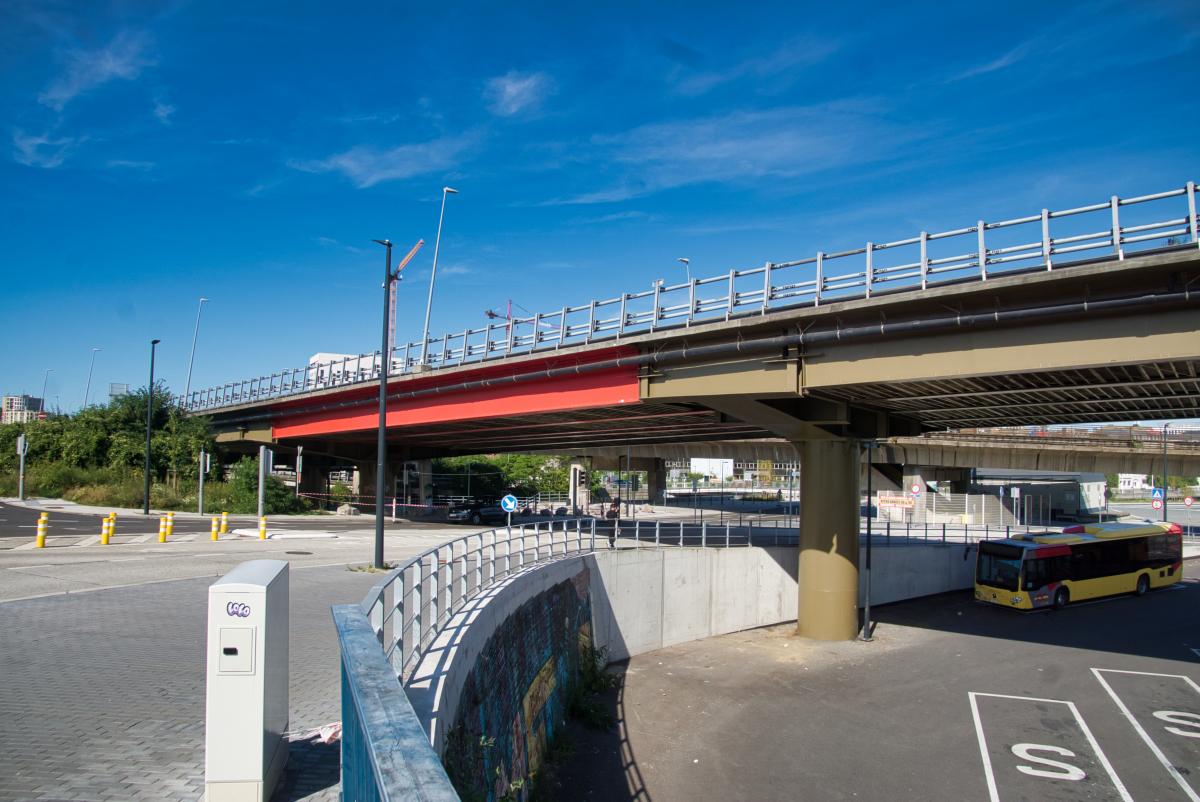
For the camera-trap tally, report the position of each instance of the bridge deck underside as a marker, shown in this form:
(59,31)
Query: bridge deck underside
(635,424)
(1153,391)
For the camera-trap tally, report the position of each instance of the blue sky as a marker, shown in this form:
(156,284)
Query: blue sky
(248,153)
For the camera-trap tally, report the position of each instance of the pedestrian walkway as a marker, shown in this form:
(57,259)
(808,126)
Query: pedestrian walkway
(102,696)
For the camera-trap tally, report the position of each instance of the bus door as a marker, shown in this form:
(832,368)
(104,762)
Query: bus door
(1042,571)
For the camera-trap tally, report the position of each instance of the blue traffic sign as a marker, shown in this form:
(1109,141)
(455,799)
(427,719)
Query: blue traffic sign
(509,503)
(1156,494)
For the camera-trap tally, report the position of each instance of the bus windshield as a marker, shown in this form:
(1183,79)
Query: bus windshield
(999,566)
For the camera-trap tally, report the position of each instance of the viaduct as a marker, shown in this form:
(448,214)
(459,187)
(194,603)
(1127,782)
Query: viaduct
(806,361)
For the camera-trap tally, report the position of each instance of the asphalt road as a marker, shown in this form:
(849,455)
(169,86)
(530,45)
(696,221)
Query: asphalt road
(953,701)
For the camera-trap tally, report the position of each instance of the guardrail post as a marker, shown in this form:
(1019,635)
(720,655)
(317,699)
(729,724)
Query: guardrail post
(766,286)
(398,621)
(637,534)
(924,259)
(691,301)
(1046,238)
(681,534)
(435,590)
(1116,229)
(727,535)
(521,562)
(732,295)
(1192,223)
(703,535)
(418,604)
(870,267)
(820,285)
(888,540)
(657,533)
(621,325)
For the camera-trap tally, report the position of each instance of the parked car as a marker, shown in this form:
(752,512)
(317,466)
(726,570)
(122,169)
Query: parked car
(478,513)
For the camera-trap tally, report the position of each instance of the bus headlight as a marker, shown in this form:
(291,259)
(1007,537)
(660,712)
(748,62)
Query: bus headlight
(1016,599)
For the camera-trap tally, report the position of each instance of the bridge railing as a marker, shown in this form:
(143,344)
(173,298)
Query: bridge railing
(978,252)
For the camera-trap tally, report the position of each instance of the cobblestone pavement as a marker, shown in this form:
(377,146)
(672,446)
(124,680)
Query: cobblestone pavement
(102,693)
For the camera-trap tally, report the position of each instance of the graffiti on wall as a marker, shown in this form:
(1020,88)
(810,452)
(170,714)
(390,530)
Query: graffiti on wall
(515,695)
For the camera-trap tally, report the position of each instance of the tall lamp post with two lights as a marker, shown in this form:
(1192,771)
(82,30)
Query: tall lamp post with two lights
(385,364)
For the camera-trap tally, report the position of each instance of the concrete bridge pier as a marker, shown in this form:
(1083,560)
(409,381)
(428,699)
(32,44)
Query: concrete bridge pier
(829,517)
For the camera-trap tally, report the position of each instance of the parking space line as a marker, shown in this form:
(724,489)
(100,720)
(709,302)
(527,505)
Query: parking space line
(1158,753)
(1066,771)
(87,541)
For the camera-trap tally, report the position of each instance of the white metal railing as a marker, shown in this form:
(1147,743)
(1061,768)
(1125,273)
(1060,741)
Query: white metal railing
(411,605)
(974,253)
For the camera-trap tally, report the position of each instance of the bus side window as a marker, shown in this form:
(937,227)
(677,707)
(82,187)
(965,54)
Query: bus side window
(1035,573)
(1059,569)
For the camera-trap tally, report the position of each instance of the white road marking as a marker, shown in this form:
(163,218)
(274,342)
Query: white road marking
(1162,758)
(1197,651)
(87,541)
(143,538)
(989,771)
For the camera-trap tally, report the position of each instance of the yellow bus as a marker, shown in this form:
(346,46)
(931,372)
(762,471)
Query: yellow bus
(1034,571)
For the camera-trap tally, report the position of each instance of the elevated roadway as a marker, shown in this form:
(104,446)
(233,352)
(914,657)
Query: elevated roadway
(1115,338)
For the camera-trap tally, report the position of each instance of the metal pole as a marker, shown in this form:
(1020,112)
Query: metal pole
(381,448)
(867,588)
(23,446)
(88,388)
(433,275)
(262,479)
(200,504)
(46,378)
(192,358)
(1165,491)
(149,410)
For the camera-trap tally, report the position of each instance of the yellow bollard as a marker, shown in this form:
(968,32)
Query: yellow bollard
(162,530)
(215,526)
(104,522)
(112,524)
(262,528)
(224,522)
(170,524)
(41,531)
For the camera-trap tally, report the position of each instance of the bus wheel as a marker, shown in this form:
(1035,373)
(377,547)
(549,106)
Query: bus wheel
(1143,585)
(1061,598)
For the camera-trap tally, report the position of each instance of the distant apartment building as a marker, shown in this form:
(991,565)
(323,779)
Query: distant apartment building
(20,409)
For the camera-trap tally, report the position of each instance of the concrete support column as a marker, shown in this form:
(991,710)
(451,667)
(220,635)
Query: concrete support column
(656,482)
(425,469)
(829,516)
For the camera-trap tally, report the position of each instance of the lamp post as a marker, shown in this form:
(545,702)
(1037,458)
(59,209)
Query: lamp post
(687,264)
(88,389)
(1165,491)
(149,410)
(436,245)
(384,367)
(43,398)
(192,358)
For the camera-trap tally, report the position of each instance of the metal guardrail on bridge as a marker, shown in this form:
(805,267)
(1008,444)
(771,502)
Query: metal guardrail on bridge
(911,264)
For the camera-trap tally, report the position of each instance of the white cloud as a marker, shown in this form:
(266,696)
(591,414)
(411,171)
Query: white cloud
(788,59)
(123,57)
(367,165)
(516,92)
(162,111)
(42,151)
(131,165)
(608,218)
(743,147)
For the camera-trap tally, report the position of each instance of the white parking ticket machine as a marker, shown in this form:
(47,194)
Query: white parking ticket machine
(247,701)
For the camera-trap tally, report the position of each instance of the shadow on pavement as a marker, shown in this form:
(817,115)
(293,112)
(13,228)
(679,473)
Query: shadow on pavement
(1083,625)
(312,768)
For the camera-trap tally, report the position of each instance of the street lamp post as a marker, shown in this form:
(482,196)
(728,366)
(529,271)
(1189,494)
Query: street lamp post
(1165,491)
(385,364)
(88,389)
(43,398)
(192,358)
(436,245)
(149,411)
(687,265)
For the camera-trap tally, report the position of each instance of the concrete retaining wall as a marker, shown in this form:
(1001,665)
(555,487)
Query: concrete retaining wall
(508,642)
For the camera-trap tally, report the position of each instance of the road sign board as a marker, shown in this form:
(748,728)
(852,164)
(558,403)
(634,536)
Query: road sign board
(509,503)
(1156,493)
(895,501)
(916,489)
(1189,501)
(21,449)
(1156,504)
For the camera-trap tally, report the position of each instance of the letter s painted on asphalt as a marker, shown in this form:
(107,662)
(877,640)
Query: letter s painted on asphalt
(1068,772)
(237,609)
(1174,717)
